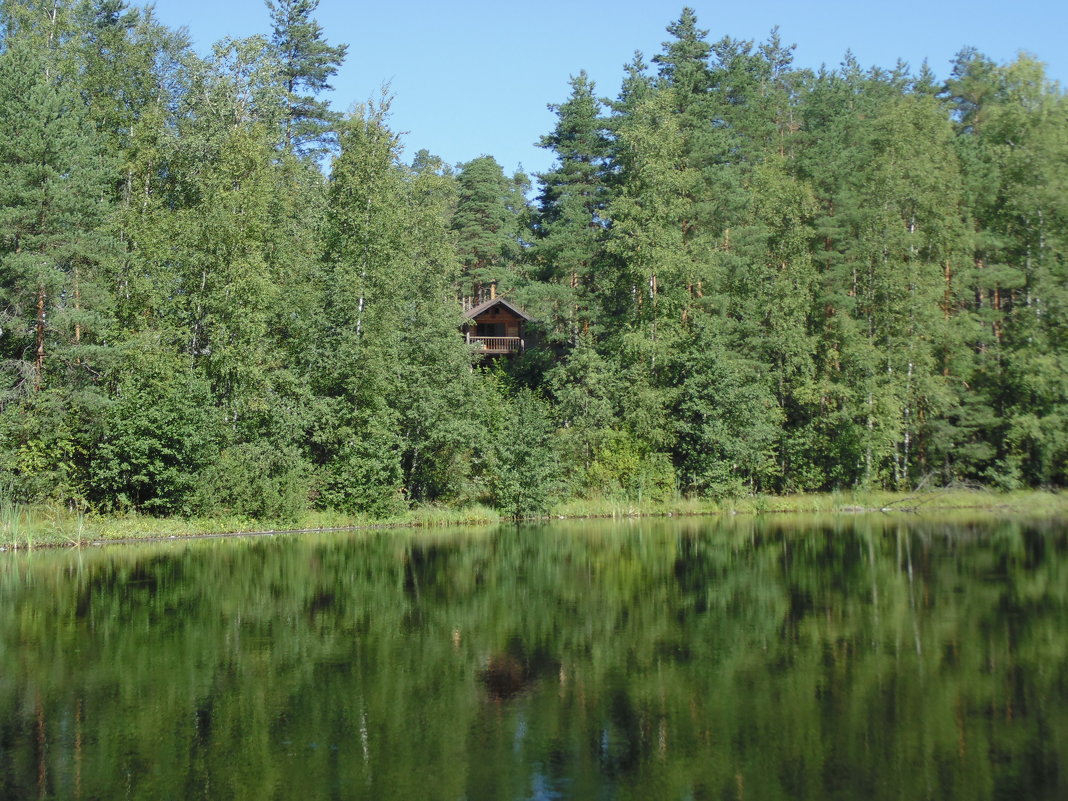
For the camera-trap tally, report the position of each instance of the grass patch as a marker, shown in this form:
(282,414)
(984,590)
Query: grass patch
(27,527)
(24,527)
(14,529)
(1026,501)
(617,508)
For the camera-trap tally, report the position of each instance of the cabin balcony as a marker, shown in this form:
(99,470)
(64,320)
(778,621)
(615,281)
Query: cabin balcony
(495,328)
(491,345)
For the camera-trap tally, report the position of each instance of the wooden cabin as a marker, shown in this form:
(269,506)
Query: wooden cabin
(496,327)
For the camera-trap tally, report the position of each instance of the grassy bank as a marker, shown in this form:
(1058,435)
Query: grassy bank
(1019,502)
(23,526)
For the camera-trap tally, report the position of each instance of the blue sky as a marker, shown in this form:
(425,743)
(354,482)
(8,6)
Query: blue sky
(474,78)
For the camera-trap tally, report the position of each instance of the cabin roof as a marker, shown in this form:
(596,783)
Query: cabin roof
(482,308)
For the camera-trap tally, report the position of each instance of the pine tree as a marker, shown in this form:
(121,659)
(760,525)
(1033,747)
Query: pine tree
(769,285)
(727,416)
(650,210)
(755,93)
(571,222)
(308,64)
(683,65)
(54,201)
(1011,126)
(55,312)
(489,222)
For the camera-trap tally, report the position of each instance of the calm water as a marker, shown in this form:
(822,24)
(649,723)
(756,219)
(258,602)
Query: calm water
(881,658)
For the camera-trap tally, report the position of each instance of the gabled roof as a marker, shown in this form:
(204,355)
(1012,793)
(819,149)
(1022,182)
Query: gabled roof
(485,306)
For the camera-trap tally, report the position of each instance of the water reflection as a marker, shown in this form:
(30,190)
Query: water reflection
(860,658)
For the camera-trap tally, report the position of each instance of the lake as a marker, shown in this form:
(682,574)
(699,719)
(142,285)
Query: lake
(849,657)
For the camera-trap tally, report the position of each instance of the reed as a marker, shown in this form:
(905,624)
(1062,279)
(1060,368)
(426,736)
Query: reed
(13,529)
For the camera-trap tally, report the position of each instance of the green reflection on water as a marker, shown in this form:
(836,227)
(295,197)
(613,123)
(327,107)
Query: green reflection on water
(870,658)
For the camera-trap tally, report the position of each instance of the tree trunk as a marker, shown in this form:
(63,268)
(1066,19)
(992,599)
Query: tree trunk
(77,306)
(40,332)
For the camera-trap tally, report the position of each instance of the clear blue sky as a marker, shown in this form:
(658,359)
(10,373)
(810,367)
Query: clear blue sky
(475,77)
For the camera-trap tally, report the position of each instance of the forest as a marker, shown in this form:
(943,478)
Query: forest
(218,294)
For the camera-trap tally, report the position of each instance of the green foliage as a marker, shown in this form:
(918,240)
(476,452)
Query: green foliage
(258,480)
(570,222)
(307,64)
(40,448)
(746,278)
(362,474)
(585,389)
(160,434)
(488,222)
(395,366)
(728,420)
(52,214)
(625,469)
(523,472)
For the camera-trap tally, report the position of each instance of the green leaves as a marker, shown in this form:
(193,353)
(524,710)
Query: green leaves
(159,434)
(728,420)
(53,204)
(522,470)
(489,223)
(744,277)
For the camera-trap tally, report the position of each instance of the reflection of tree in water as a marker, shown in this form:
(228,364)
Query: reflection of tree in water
(635,661)
(504,676)
(516,669)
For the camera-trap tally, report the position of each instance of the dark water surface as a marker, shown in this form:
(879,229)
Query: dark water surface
(867,658)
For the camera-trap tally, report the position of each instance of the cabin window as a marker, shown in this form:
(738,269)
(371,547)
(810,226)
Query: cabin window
(489,329)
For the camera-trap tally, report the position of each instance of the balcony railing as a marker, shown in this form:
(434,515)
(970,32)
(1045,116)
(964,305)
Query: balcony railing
(496,344)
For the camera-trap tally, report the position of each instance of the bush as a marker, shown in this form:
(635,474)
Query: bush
(158,437)
(624,469)
(522,467)
(257,480)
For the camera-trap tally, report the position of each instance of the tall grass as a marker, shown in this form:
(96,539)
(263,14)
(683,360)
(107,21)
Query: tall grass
(13,529)
(68,525)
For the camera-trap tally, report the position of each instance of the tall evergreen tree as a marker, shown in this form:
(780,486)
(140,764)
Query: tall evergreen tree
(571,220)
(683,65)
(1012,141)
(53,202)
(489,221)
(307,65)
(650,213)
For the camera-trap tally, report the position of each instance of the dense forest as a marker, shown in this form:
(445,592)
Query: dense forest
(219,294)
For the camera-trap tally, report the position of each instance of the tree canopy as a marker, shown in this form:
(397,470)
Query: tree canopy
(219,294)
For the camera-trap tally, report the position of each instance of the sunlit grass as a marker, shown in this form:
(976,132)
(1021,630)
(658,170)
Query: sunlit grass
(615,508)
(13,529)
(23,526)
(1027,501)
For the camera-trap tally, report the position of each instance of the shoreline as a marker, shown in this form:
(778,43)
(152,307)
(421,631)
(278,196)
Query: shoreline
(35,528)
